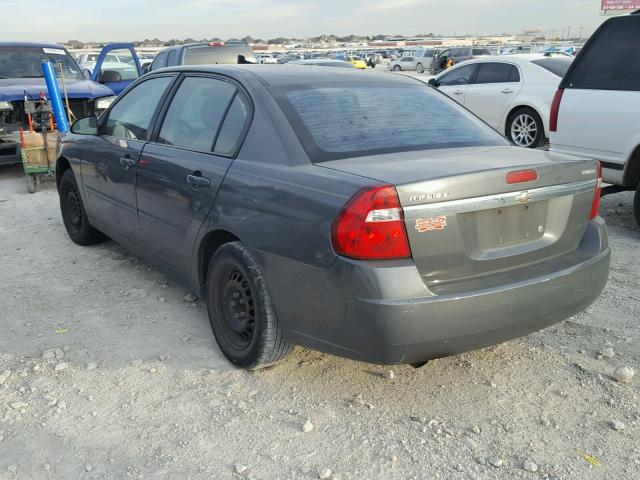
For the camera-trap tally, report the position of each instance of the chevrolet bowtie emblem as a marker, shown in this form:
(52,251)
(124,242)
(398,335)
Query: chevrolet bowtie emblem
(525,197)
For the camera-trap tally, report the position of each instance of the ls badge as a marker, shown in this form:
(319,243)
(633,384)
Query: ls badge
(430,224)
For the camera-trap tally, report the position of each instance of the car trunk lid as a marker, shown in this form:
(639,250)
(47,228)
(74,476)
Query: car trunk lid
(464,221)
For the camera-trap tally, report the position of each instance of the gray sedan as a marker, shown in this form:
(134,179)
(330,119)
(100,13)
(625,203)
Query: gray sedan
(308,212)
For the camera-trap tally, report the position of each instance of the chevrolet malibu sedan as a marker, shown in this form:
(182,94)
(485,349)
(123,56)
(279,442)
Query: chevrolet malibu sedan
(306,212)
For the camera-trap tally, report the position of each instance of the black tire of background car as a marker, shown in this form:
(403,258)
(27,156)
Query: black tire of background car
(73,213)
(539,139)
(419,68)
(30,180)
(397,68)
(233,262)
(636,205)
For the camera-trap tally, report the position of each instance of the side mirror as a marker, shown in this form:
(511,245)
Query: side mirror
(85,126)
(86,73)
(434,83)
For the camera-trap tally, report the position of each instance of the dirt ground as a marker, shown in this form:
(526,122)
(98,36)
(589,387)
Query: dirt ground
(107,372)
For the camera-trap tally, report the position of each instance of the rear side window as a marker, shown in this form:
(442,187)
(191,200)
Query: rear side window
(556,65)
(195,114)
(233,126)
(171,58)
(350,121)
(613,60)
(158,62)
(497,73)
(131,116)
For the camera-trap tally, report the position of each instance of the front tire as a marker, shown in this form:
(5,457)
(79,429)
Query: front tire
(419,68)
(636,205)
(525,128)
(397,68)
(73,212)
(241,312)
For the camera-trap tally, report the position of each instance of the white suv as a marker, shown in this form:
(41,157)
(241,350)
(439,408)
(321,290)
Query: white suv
(596,111)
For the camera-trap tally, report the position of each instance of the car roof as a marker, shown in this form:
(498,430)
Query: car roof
(517,58)
(31,44)
(287,75)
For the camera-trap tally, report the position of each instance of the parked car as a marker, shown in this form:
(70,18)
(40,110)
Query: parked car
(307,212)
(266,58)
(21,75)
(327,62)
(419,62)
(596,111)
(204,54)
(512,93)
(458,54)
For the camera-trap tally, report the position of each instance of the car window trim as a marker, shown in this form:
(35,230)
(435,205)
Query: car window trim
(161,115)
(105,116)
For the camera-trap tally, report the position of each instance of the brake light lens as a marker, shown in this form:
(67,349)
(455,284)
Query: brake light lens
(371,226)
(522,176)
(595,205)
(555,110)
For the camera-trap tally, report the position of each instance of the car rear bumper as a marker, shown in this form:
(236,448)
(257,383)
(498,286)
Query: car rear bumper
(383,313)
(9,153)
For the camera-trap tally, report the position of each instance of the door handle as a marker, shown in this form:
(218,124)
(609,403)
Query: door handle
(507,90)
(127,163)
(198,181)
(458,92)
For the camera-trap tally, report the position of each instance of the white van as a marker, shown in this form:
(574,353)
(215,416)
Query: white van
(596,110)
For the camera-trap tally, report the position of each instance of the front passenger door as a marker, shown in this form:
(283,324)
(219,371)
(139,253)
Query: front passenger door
(182,169)
(110,158)
(456,81)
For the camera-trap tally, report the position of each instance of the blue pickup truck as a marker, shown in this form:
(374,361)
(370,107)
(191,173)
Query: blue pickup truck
(21,78)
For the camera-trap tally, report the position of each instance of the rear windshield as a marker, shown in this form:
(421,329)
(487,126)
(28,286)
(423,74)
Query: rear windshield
(334,122)
(612,61)
(556,65)
(209,55)
(26,62)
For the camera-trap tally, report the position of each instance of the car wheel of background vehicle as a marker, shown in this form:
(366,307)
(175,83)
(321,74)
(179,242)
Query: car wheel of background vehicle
(397,68)
(636,205)
(73,213)
(525,128)
(419,68)
(30,180)
(241,312)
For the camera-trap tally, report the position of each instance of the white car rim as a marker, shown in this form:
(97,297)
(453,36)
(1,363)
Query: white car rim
(524,130)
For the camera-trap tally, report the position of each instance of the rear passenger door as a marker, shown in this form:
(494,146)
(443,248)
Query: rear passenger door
(494,88)
(181,170)
(456,81)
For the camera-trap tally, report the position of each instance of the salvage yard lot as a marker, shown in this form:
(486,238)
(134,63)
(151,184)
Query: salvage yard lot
(115,374)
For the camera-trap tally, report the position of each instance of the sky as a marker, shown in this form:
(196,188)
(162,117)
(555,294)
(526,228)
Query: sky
(121,20)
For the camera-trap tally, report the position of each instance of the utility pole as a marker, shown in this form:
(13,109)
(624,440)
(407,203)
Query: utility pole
(568,33)
(581,33)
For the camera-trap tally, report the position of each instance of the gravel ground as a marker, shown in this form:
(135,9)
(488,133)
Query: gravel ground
(108,371)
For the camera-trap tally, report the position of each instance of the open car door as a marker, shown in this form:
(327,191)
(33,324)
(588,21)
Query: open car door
(117,66)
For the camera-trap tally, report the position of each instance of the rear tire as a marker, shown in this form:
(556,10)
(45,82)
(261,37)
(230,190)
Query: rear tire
(243,320)
(525,128)
(397,68)
(73,212)
(636,205)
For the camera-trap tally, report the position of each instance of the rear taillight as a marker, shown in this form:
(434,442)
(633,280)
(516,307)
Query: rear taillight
(595,204)
(555,109)
(371,226)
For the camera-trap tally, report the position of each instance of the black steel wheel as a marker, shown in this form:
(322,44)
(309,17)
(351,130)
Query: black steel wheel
(73,213)
(241,312)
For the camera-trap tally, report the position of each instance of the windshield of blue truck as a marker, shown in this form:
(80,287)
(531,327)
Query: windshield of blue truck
(26,62)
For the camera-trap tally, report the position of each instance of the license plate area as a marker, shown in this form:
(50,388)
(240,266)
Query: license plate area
(507,226)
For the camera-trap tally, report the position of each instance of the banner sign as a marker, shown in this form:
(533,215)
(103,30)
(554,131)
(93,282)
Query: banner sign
(620,4)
